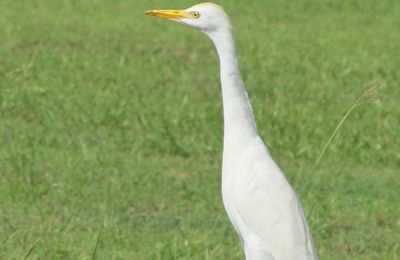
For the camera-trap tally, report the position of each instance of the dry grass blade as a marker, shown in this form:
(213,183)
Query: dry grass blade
(31,249)
(369,94)
(97,243)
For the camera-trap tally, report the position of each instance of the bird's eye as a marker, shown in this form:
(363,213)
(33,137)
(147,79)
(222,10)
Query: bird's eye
(196,14)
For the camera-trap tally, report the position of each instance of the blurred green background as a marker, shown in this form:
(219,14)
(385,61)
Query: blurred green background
(110,121)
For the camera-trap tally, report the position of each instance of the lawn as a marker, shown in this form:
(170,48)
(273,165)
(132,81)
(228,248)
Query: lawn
(111,126)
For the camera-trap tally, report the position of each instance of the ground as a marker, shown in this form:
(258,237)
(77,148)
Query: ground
(111,124)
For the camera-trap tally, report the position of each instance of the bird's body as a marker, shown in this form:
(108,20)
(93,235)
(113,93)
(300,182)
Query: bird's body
(260,202)
(263,207)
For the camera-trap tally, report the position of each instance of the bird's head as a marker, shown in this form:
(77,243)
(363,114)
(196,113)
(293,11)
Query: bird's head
(206,17)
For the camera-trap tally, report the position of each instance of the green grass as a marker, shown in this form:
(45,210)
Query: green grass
(110,123)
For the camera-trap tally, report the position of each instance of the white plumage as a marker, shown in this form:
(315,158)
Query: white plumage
(260,202)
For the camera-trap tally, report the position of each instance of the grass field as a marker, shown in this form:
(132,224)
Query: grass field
(110,121)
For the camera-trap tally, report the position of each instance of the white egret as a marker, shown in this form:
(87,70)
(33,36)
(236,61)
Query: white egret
(260,202)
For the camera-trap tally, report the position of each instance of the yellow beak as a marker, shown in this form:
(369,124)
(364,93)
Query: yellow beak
(169,14)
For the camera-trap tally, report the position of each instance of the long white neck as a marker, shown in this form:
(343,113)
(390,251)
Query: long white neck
(239,125)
